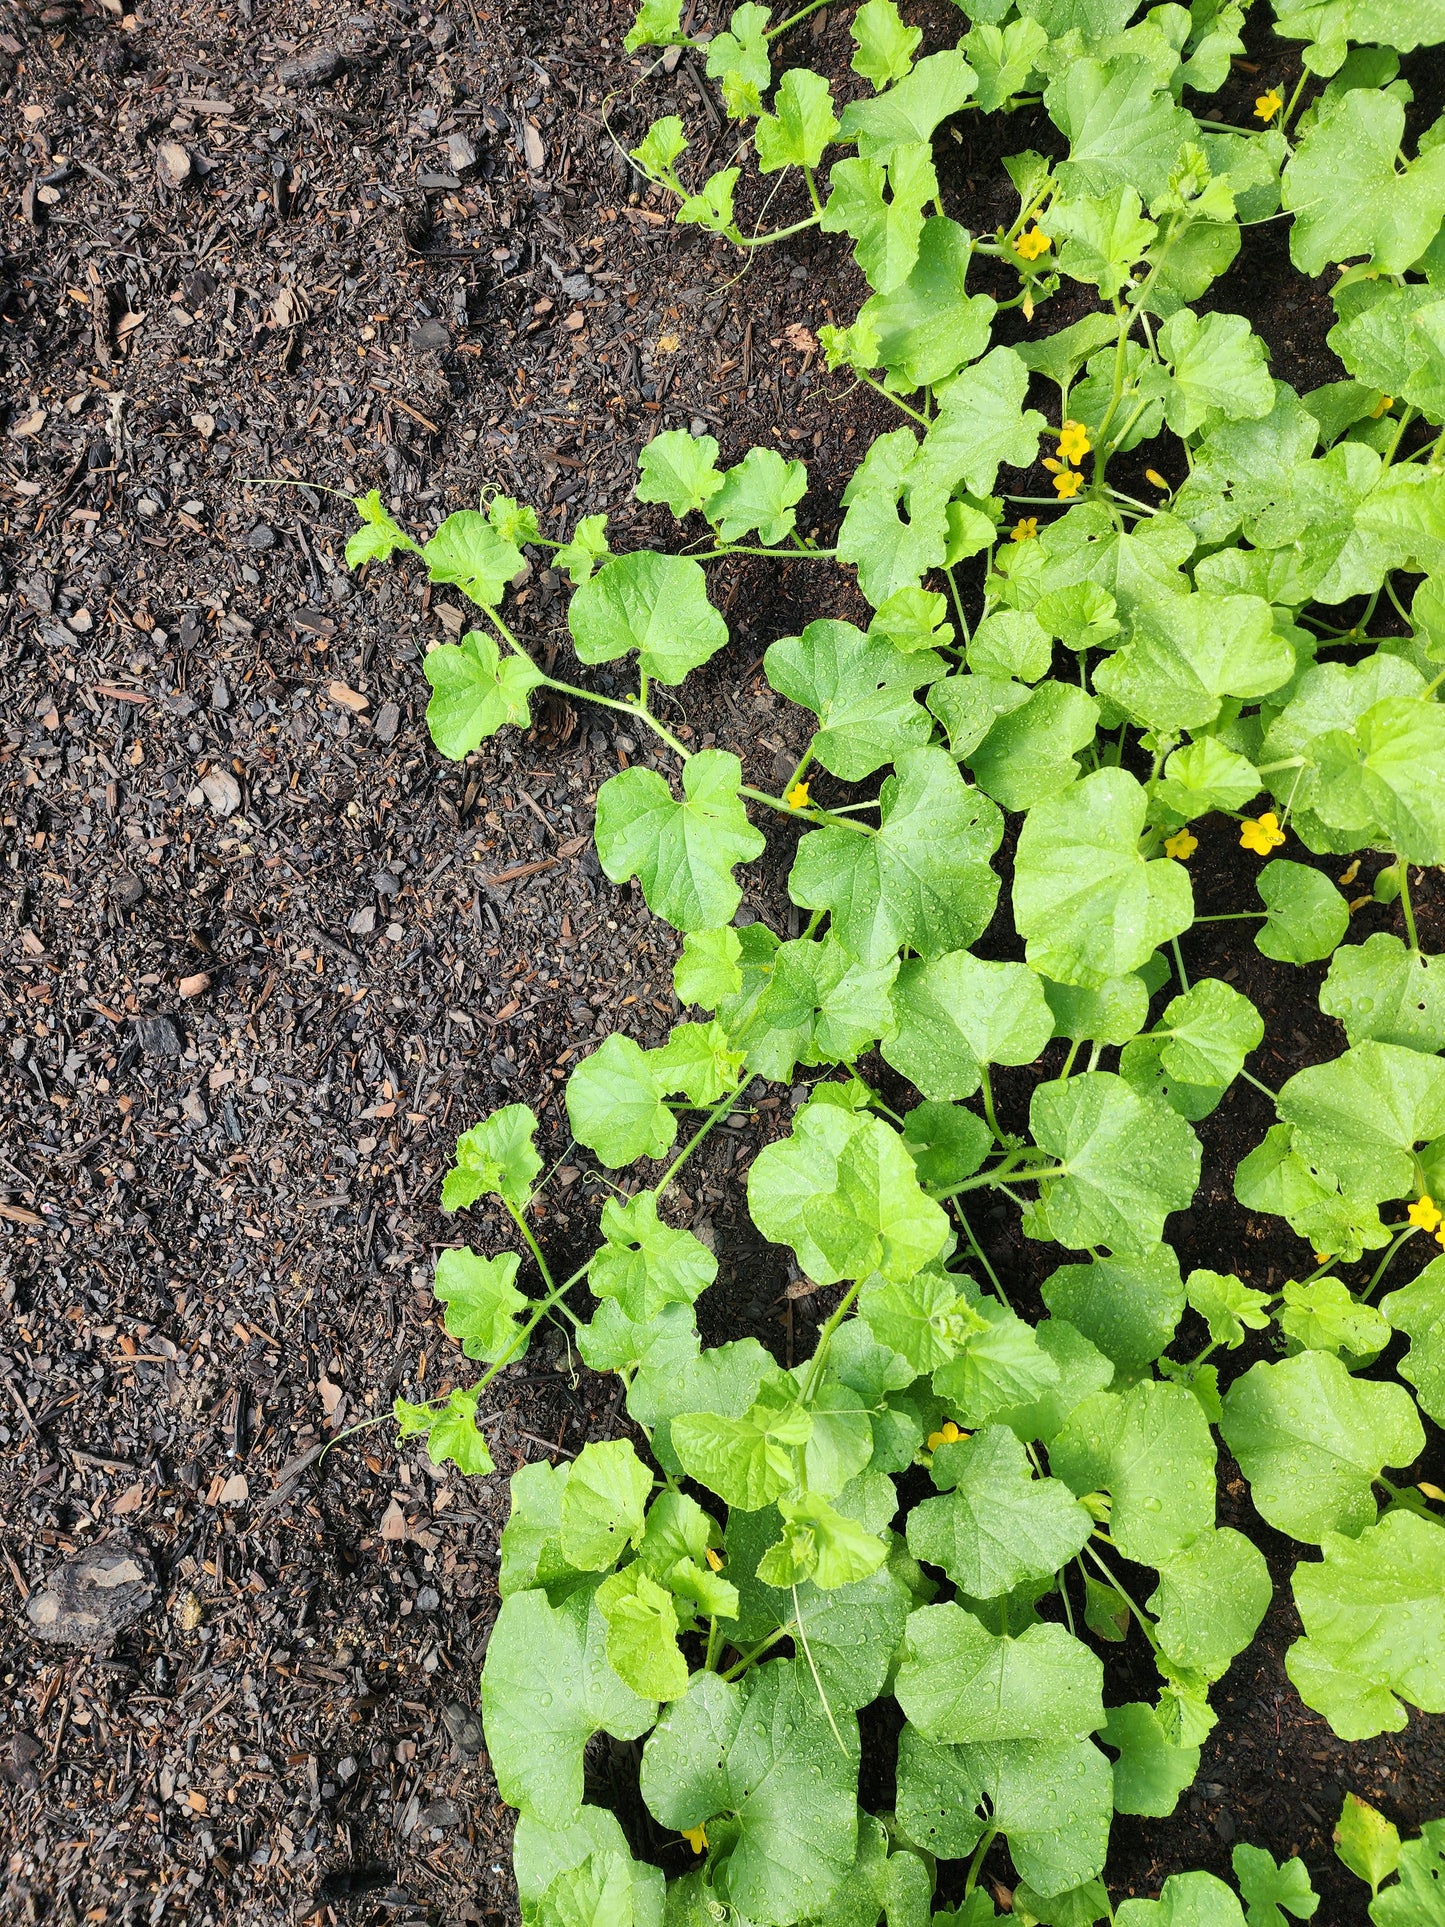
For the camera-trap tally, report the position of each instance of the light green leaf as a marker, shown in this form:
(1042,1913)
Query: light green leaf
(531,1542)
(959,1012)
(763,1753)
(1366,1841)
(1088,904)
(1348,197)
(1419,1310)
(540,1853)
(1374,1617)
(646,1264)
(496,1155)
(1268,1886)
(802,127)
(607,1889)
(1003,58)
(1060,356)
(475,693)
(908,113)
(379,535)
(884,45)
(1311,1440)
(1082,1369)
(467,550)
(706,972)
(843,1192)
(604,1505)
(1211,1029)
(547,1688)
(822,1544)
(655,604)
(658,24)
(683,853)
(1210,1600)
(1128,1161)
(928,326)
(1227,1306)
(998,1369)
(1185,1900)
(1380,990)
(450,1429)
(1325,1317)
(1207,775)
(1152,1449)
(1151,1771)
(679,469)
(981,424)
(1216,365)
(891,552)
(861,690)
(614,1104)
(922,1319)
(885,232)
(761,493)
(1276,1177)
(1099,239)
(923,879)
(1127,1307)
(913,620)
(588,546)
(1385,776)
(699,1061)
(483,1304)
(1360,1116)
(1031,753)
(958,1682)
(1191,652)
(748,1460)
(999,1526)
(642,1646)
(740,55)
(1112,1014)
(1008,643)
(1416,1897)
(1307,915)
(1123,132)
(712,206)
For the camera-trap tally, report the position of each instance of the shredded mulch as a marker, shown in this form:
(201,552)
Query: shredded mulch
(262,956)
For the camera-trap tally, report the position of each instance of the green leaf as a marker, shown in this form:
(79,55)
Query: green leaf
(1151,1448)
(614,1104)
(822,1544)
(604,1505)
(884,45)
(379,536)
(999,1526)
(607,1889)
(997,1369)
(676,1378)
(1100,238)
(646,1264)
(1360,1116)
(532,1537)
(1275,1177)
(761,493)
(740,56)
(706,972)
(1008,643)
(1128,1161)
(1196,1050)
(747,1461)
(1088,904)
(1003,59)
(712,206)
(981,424)
(914,619)
(483,1304)
(642,1646)
(842,1191)
(922,1319)
(698,1061)
(540,1853)
(909,112)
(655,604)
(683,853)
(1112,1014)
(1150,1772)
(1384,992)
(467,550)
(1418,1309)
(1210,1600)
(547,1688)
(1307,915)
(1082,1369)
(891,552)
(923,879)
(1060,356)
(1204,776)
(1347,196)
(1127,1307)
(957,1682)
(968,706)
(1216,365)
(1191,652)
(1227,1306)
(451,1431)
(1122,131)
(861,690)
(1185,1900)
(588,546)
(496,1155)
(1324,1317)
(679,469)
(885,233)
(1385,776)
(475,693)
(820,1007)
(959,1012)
(1267,1887)
(658,24)
(1366,1841)
(1417,1896)
(1031,753)
(763,1753)
(1311,1440)
(1373,1611)
(802,127)
(512,521)
(928,326)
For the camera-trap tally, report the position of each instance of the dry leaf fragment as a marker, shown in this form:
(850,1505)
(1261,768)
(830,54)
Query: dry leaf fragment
(393,1523)
(351,699)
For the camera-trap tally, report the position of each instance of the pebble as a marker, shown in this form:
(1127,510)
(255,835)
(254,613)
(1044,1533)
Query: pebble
(260,537)
(92,1597)
(126,890)
(148,506)
(221,790)
(311,69)
(460,153)
(173,164)
(81,621)
(431,337)
(464,1728)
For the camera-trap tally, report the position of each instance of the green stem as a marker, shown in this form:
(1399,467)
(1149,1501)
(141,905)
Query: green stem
(778,234)
(988,1110)
(783,1632)
(1402,870)
(812,188)
(1379,1271)
(1069,1056)
(978,1251)
(715,1116)
(536,1250)
(813,1669)
(742,548)
(771,33)
(878,387)
(964,631)
(810,813)
(1008,1169)
(825,1339)
(1232,916)
(1293,101)
(990,1834)
(711,1653)
(1179,964)
(1146,1625)
(1249,1078)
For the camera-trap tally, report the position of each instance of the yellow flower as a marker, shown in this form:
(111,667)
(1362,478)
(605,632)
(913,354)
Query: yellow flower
(1382,407)
(1423,1212)
(1266,106)
(1025,529)
(1153,475)
(1068,484)
(1261,833)
(949,1435)
(1430,1491)
(1182,844)
(1440,1236)
(696,1838)
(1074,443)
(1322,1257)
(1033,244)
(713,1561)
(797,797)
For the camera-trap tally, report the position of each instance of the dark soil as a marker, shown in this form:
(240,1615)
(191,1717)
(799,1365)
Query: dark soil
(238,1046)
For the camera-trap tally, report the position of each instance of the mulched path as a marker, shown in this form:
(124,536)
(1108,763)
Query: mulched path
(263,956)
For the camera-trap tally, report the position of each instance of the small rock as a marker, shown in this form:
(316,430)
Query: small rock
(173,164)
(576,287)
(362,922)
(91,1598)
(534,147)
(311,69)
(428,1599)
(464,1728)
(187,1610)
(148,506)
(260,537)
(431,337)
(221,791)
(80,621)
(194,986)
(235,1491)
(460,153)
(17,1761)
(386,883)
(126,891)
(220,694)
(441,1813)
(442,35)
(193,1109)
(159,1037)
(387,720)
